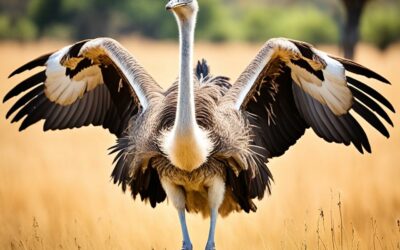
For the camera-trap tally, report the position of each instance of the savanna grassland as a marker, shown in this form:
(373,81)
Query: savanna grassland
(56,193)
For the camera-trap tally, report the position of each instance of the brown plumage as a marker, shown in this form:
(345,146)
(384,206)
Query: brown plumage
(138,151)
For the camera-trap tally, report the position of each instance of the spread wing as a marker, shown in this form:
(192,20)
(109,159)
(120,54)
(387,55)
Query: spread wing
(291,86)
(91,82)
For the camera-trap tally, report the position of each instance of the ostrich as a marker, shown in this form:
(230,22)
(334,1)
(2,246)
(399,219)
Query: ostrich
(203,142)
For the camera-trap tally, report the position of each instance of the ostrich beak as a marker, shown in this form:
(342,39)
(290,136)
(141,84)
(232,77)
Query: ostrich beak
(172,4)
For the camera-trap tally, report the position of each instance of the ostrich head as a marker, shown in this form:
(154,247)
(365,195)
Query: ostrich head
(183,9)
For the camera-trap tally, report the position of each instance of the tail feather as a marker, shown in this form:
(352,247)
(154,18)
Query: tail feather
(202,69)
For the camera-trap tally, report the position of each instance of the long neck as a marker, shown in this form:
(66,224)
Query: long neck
(187,146)
(185,120)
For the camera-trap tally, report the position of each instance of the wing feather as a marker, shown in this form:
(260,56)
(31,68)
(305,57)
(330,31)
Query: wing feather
(369,102)
(25,99)
(336,125)
(370,118)
(88,109)
(33,117)
(303,87)
(92,114)
(359,137)
(27,108)
(99,111)
(72,109)
(322,117)
(76,120)
(25,85)
(371,92)
(90,82)
(51,119)
(359,69)
(40,61)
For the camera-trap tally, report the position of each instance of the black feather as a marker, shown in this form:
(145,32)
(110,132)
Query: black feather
(359,69)
(370,118)
(305,65)
(83,119)
(36,114)
(370,91)
(370,104)
(26,84)
(122,100)
(337,125)
(147,184)
(202,69)
(304,48)
(359,137)
(74,50)
(29,107)
(25,99)
(239,188)
(100,107)
(71,113)
(65,110)
(40,61)
(76,120)
(94,107)
(52,118)
(83,64)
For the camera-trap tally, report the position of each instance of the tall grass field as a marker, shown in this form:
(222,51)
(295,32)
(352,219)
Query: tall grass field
(56,192)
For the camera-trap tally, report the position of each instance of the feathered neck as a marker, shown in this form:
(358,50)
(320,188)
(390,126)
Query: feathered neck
(187,145)
(185,120)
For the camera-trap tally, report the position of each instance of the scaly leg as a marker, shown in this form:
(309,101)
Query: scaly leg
(187,244)
(211,239)
(216,194)
(176,195)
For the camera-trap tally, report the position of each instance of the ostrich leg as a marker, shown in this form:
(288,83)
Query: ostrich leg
(176,195)
(216,193)
(187,244)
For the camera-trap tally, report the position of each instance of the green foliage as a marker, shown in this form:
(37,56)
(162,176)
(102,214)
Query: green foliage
(148,18)
(299,22)
(22,29)
(60,31)
(215,22)
(4,27)
(380,24)
(44,12)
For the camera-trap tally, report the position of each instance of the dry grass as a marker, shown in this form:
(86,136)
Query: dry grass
(55,191)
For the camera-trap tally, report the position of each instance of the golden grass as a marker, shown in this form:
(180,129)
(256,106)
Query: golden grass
(55,190)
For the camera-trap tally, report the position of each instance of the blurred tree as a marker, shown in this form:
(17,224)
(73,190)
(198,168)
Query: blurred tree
(44,12)
(90,18)
(351,33)
(380,24)
(13,9)
(314,21)
(145,17)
